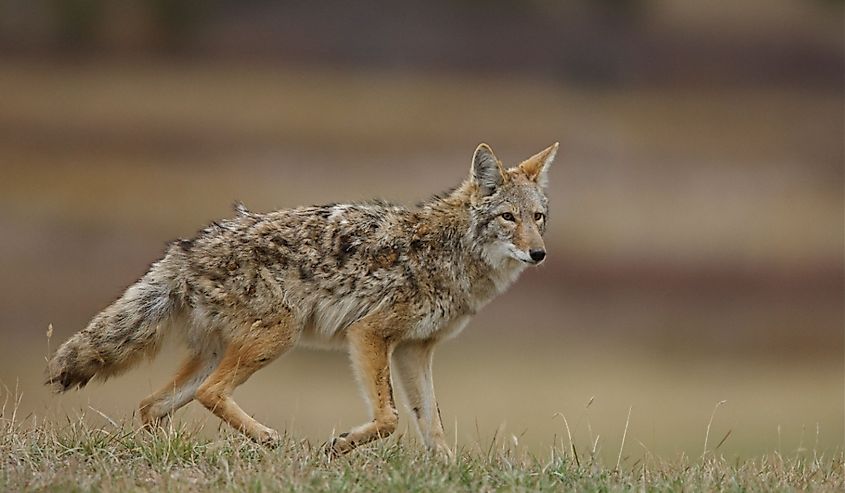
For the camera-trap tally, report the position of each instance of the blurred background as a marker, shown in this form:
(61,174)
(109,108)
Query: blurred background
(696,235)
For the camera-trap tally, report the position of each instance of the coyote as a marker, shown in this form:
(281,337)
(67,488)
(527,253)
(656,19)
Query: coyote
(385,282)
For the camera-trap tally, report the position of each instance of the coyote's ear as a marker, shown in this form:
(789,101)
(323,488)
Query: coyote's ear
(537,166)
(487,172)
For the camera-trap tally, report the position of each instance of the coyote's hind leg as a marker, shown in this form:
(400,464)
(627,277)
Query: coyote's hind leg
(180,390)
(257,346)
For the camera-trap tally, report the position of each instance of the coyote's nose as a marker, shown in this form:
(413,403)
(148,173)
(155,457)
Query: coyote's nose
(537,255)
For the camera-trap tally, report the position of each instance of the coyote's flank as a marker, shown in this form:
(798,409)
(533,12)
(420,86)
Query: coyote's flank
(385,282)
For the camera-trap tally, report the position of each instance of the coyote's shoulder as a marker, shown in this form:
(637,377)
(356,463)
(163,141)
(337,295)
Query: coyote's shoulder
(377,278)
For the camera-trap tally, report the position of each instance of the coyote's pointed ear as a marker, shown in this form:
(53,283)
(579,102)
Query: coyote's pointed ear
(537,166)
(487,172)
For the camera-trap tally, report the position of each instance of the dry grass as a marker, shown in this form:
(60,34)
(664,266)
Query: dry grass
(39,455)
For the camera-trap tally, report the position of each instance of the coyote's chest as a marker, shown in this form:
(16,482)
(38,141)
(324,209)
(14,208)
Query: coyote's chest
(449,314)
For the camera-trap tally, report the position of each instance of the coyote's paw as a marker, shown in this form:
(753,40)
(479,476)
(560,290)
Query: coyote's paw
(268,437)
(338,446)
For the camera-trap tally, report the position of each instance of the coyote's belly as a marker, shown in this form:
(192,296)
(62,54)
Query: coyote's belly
(440,317)
(312,338)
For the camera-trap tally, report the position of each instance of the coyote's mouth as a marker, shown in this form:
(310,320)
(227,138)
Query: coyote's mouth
(531,261)
(524,257)
(528,257)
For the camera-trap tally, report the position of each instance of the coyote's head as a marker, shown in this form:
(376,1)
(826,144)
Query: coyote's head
(509,206)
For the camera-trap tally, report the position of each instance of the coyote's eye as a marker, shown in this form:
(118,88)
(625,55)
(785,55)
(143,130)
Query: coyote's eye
(507,216)
(539,216)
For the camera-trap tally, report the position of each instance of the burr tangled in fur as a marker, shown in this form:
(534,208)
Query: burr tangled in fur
(383,281)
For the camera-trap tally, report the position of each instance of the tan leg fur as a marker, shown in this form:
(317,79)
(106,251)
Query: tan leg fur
(178,392)
(370,346)
(257,347)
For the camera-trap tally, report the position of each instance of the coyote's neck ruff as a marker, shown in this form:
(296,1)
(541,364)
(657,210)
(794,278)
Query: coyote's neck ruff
(386,282)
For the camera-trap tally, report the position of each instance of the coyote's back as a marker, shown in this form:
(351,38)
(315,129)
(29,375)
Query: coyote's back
(385,281)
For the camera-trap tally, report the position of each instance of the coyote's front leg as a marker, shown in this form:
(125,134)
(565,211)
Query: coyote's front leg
(369,349)
(412,362)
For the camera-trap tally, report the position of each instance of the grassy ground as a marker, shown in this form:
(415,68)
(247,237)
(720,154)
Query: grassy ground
(73,456)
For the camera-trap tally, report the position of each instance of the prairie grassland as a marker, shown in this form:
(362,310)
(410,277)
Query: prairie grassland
(91,441)
(72,456)
(502,384)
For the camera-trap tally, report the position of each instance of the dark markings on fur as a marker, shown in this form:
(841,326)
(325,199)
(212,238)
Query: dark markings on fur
(67,380)
(305,273)
(186,245)
(416,245)
(482,225)
(390,391)
(268,256)
(412,279)
(344,434)
(215,276)
(72,374)
(281,241)
(345,249)
(72,354)
(417,412)
(122,328)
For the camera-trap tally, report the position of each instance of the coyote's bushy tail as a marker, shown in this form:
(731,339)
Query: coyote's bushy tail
(120,335)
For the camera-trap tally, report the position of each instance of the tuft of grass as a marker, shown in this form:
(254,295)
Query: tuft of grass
(39,455)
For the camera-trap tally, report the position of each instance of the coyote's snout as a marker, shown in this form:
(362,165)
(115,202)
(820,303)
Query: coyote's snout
(385,282)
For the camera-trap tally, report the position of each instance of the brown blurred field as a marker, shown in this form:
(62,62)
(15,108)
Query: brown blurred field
(695,243)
